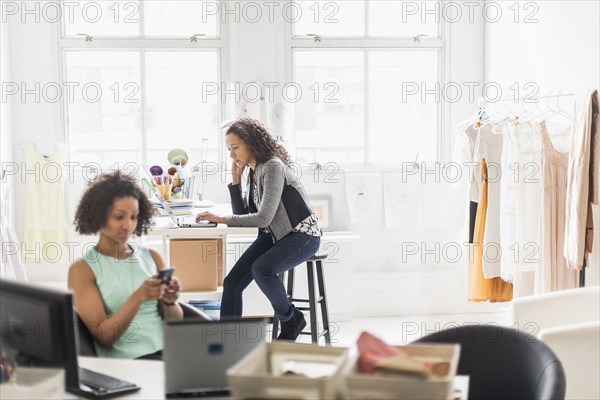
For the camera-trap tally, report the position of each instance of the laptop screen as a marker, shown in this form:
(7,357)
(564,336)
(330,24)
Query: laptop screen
(198,353)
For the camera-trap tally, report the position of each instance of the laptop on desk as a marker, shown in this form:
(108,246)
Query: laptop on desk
(171,213)
(184,223)
(198,353)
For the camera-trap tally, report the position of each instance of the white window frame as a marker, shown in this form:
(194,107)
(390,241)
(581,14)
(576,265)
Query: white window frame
(142,44)
(293,42)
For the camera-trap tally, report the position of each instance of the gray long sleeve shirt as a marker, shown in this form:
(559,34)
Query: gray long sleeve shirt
(283,200)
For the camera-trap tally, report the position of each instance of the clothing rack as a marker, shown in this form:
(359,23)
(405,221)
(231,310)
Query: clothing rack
(481,113)
(546,96)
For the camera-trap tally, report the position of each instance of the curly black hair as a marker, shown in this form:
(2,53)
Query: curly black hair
(97,201)
(260,142)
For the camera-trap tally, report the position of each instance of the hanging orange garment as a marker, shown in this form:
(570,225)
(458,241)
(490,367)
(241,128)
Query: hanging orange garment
(481,289)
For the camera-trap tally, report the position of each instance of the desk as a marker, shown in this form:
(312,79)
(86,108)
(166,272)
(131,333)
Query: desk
(219,232)
(339,266)
(150,377)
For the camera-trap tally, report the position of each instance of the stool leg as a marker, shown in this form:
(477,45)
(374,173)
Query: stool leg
(290,284)
(312,304)
(275,329)
(324,311)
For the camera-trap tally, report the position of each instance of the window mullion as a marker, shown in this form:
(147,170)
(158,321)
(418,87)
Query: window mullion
(142,19)
(366,12)
(142,114)
(335,42)
(366,103)
(224,76)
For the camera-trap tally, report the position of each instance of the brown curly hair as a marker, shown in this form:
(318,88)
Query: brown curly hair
(260,142)
(98,199)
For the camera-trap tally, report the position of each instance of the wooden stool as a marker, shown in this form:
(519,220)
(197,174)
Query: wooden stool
(312,300)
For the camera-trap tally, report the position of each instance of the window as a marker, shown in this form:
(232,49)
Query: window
(373,63)
(364,68)
(136,71)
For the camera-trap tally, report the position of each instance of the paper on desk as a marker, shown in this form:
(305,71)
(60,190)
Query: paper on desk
(203,204)
(164,223)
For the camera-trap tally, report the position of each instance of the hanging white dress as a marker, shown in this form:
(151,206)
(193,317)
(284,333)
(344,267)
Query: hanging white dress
(46,220)
(508,203)
(489,147)
(552,273)
(527,250)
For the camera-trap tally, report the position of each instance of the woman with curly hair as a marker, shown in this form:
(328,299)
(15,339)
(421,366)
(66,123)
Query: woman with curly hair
(275,201)
(116,288)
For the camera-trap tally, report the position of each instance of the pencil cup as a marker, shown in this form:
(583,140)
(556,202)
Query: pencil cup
(167,189)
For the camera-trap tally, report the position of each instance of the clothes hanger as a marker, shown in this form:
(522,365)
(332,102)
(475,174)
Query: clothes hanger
(481,113)
(560,129)
(531,116)
(19,149)
(44,139)
(544,115)
(560,112)
(44,142)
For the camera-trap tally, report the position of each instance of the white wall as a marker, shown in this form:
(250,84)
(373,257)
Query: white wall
(559,52)
(6,134)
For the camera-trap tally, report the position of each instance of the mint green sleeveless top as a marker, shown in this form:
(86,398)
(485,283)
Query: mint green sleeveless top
(116,281)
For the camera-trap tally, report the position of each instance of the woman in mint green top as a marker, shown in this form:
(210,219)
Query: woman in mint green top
(116,289)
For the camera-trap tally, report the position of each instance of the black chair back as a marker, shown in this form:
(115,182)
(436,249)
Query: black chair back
(86,340)
(504,363)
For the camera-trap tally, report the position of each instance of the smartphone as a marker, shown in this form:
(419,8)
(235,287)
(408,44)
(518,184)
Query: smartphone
(165,275)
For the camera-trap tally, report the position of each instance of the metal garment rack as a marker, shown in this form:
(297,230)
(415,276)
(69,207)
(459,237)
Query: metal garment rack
(546,96)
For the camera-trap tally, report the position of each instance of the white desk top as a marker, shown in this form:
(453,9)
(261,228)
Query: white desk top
(218,231)
(150,376)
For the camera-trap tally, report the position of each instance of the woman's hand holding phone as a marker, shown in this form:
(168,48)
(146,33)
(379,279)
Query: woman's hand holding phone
(171,293)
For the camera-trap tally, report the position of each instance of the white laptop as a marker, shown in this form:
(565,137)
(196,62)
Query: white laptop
(197,353)
(169,210)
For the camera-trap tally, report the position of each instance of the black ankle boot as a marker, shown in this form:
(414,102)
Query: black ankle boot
(291,329)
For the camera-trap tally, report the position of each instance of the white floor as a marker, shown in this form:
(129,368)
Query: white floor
(405,329)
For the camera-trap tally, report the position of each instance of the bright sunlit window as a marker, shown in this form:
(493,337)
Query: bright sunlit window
(365,57)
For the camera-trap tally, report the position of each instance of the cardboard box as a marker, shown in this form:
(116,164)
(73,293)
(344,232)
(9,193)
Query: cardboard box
(197,263)
(220,262)
(260,374)
(392,387)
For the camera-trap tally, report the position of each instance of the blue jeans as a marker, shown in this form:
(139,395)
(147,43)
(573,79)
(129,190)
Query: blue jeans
(263,261)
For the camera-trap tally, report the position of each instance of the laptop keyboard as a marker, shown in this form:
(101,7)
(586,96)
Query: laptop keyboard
(103,383)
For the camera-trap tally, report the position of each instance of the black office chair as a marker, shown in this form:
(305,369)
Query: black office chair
(86,340)
(504,363)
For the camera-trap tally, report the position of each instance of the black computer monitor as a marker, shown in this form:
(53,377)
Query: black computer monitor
(39,324)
